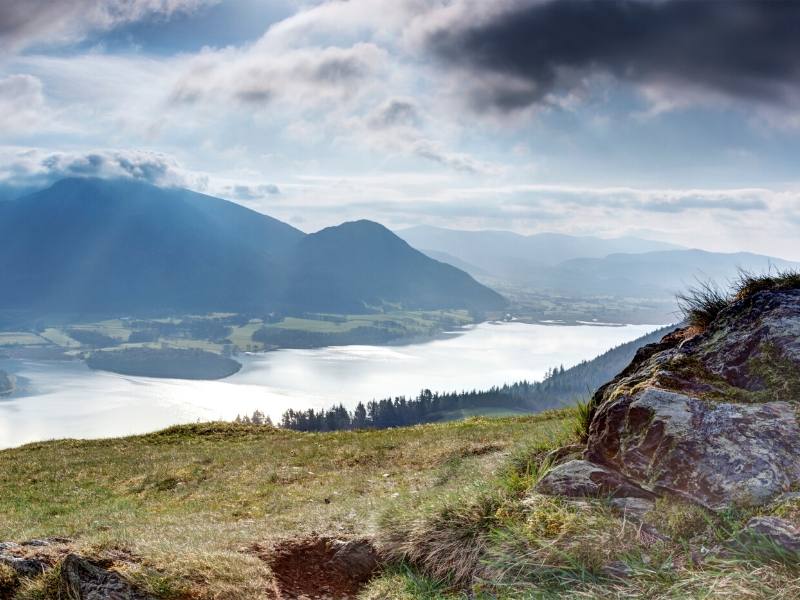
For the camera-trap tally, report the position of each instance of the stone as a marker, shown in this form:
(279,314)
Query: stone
(742,331)
(766,537)
(356,557)
(632,508)
(714,454)
(580,478)
(24,567)
(83,580)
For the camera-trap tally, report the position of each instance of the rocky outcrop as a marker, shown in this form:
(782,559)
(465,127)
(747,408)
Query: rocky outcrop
(79,577)
(710,416)
(85,580)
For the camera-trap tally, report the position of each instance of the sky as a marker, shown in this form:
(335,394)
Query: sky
(676,120)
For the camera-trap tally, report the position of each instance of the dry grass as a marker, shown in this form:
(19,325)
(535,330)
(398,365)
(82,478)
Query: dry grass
(702,303)
(497,539)
(186,501)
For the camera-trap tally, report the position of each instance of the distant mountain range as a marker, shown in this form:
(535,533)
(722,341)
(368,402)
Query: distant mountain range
(583,266)
(92,245)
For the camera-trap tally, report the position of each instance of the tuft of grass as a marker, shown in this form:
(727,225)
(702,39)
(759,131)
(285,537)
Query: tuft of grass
(8,582)
(583,419)
(401,582)
(748,283)
(702,303)
(446,540)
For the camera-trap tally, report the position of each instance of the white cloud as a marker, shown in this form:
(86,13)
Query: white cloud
(21,102)
(25,23)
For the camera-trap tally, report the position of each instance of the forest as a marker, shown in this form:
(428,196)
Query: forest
(559,387)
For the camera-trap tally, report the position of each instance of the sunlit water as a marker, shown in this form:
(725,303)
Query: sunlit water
(66,399)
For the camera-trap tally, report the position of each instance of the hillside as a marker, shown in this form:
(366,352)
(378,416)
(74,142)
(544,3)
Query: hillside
(185,512)
(119,246)
(363,262)
(116,246)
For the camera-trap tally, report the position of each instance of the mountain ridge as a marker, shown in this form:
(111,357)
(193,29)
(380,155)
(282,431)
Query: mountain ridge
(87,244)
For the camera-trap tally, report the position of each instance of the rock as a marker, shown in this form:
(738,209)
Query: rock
(559,455)
(764,537)
(356,557)
(579,478)
(83,580)
(632,508)
(712,454)
(742,332)
(24,567)
(711,417)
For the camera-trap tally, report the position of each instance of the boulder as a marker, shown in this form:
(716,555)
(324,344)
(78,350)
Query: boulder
(711,416)
(84,580)
(580,478)
(711,454)
(24,567)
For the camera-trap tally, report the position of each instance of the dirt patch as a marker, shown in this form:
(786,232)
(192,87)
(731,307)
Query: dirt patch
(317,568)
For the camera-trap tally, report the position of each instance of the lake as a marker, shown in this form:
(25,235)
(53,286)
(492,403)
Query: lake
(67,399)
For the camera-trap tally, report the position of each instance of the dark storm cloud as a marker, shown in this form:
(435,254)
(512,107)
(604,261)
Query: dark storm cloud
(527,49)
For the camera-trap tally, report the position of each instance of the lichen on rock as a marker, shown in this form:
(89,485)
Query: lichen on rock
(709,416)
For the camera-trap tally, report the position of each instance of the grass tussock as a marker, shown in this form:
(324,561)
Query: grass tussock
(702,303)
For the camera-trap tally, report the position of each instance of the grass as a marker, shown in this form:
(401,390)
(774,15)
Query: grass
(702,303)
(496,538)
(450,505)
(187,500)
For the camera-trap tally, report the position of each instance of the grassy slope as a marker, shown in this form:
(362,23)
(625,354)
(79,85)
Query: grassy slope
(449,503)
(189,498)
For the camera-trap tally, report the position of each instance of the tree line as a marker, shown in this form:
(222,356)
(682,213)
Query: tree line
(559,387)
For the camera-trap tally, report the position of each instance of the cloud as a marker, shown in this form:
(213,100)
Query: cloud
(25,23)
(252,192)
(31,168)
(395,112)
(22,103)
(255,76)
(524,52)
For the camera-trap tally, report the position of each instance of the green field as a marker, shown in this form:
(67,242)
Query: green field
(393,325)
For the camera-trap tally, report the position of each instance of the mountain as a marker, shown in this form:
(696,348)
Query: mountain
(584,266)
(508,255)
(101,245)
(92,245)
(654,274)
(363,262)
